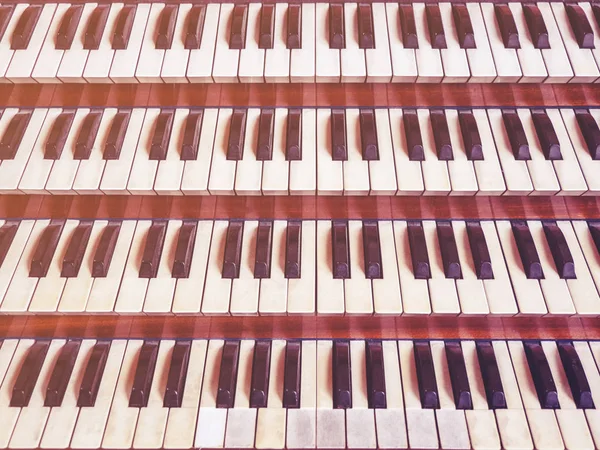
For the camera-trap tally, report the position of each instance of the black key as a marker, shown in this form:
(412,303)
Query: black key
(436,28)
(46,246)
(194,27)
(166,27)
(340,249)
(95,27)
(162,135)
(418,251)
(479,251)
(516,134)
(116,135)
(25,26)
(7,235)
(490,375)
(412,130)
(508,28)
(366,33)
(426,376)
(155,240)
(580,25)
(565,266)
(28,374)
(228,374)
(264,246)
(470,135)
(546,134)
(536,26)
(337,30)
(541,375)
(458,376)
(235,145)
(589,130)
(267,26)
(180,359)
(339,149)
(264,148)
(144,373)
(441,135)
(595,10)
(185,249)
(233,250)
(105,249)
(191,136)
(372,250)
(11,140)
(594,228)
(293,138)
(58,135)
(375,375)
(408,26)
(76,249)
(59,380)
(464,27)
(291,378)
(259,385)
(342,380)
(368,135)
(6,12)
(239,22)
(448,250)
(88,391)
(87,135)
(123,28)
(68,25)
(527,250)
(294,26)
(292,250)
(580,388)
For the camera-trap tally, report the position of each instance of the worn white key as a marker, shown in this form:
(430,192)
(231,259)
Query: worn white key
(142,172)
(481,60)
(587,9)
(378,59)
(555,58)
(277,59)
(435,171)
(196,172)
(360,419)
(355,169)
(586,352)
(99,61)
(330,291)
(303,174)
(273,290)
(429,61)
(589,253)
(301,291)
(461,170)
(13,256)
(352,58)
(6,52)
(175,61)
(276,172)
(125,61)
(454,58)
(408,173)
(530,58)
(331,426)
(489,172)
(357,289)
(216,289)
(382,172)
(404,60)
(170,170)
(302,60)
(252,58)
(222,171)
(387,298)
(328,66)
(201,59)
(245,288)
(248,171)
(302,422)
(49,57)
(330,179)
(74,59)
(226,61)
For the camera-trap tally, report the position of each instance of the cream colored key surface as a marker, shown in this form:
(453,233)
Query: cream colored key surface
(126,60)
(330,291)
(435,171)
(408,173)
(301,291)
(530,58)
(245,288)
(331,427)
(302,422)
(252,59)
(360,419)
(248,172)
(387,298)
(461,170)
(222,171)
(355,170)
(490,179)
(6,52)
(217,289)
(196,172)
(352,58)
(302,60)
(170,170)
(379,63)
(49,57)
(226,60)
(143,169)
(274,289)
(454,58)
(358,290)
(404,61)
(276,172)
(200,65)
(303,174)
(74,59)
(210,430)
(555,57)
(587,352)
(481,60)
(175,61)
(382,172)
(330,180)
(277,59)
(327,59)
(99,61)
(13,256)
(429,61)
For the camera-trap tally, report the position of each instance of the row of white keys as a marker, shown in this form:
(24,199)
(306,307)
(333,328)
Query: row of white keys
(352,57)
(454,58)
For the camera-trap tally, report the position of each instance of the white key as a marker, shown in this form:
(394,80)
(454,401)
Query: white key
(589,257)
(330,291)
(302,422)
(357,289)
(435,171)
(188,291)
(196,172)
(330,179)
(74,59)
(555,58)
(116,172)
(481,60)
(225,66)
(105,290)
(587,9)
(175,61)
(352,58)
(245,288)
(360,419)
(301,291)
(530,58)
(222,170)
(415,292)
(488,171)
(506,60)
(48,60)
(382,173)
(248,171)
(379,63)
(461,170)
(408,173)
(276,172)
(277,59)
(151,58)
(6,52)
(303,174)
(586,352)
(328,67)
(582,59)
(200,64)
(404,60)
(97,67)
(331,427)
(143,170)
(429,61)
(252,58)
(454,58)
(387,298)
(125,61)
(515,171)
(355,168)
(273,290)
(302,60)
(13,256)
(216,289)
(527,291)
(170,170)
(23,61)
